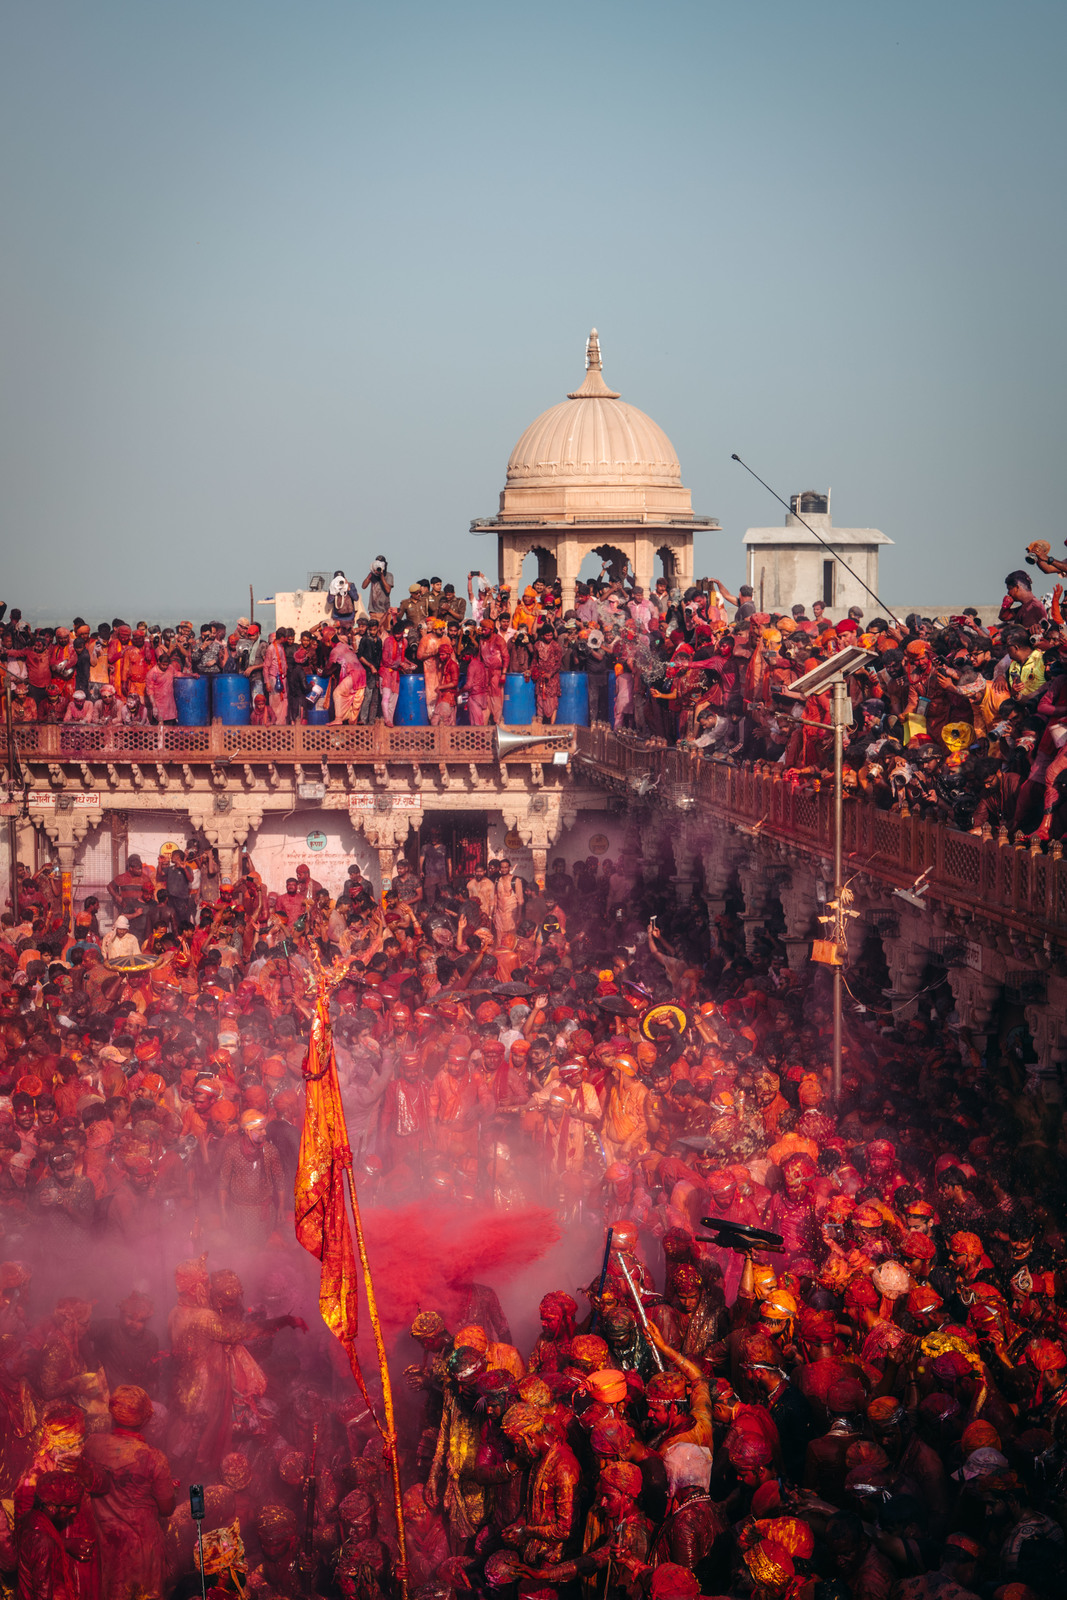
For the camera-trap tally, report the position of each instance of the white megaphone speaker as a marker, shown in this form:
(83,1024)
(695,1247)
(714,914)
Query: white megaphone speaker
(507,742)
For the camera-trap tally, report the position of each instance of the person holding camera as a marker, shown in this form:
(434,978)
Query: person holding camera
(379,581)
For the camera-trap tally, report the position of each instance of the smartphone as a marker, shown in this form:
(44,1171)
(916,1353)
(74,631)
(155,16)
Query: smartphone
(197,1509)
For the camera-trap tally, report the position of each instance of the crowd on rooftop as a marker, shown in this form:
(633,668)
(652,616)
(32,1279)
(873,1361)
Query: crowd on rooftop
(951,718)
(877,1411)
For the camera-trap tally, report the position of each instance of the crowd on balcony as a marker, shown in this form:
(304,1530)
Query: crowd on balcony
(950,718)
(875,1409)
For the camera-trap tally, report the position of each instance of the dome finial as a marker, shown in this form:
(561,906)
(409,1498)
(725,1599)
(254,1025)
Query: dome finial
(594,387)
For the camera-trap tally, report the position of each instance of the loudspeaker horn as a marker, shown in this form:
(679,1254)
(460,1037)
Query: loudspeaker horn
(507,742)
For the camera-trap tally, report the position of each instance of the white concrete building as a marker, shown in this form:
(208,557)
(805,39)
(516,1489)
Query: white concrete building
(788,566)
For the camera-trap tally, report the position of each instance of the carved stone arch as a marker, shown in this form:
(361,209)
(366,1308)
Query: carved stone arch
(615,558)
(547,565)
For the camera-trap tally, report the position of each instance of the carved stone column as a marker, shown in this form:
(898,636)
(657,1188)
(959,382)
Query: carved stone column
(653,832)
(386,832)
(227,831)
(976,998)
(800,909)
(907,955)
(686,856)
(568,561)
(758,884)
(1045,1021)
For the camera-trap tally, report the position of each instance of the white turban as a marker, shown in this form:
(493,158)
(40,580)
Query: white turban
(688,1466)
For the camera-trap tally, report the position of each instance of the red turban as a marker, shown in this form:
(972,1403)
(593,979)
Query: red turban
(622,1475)
(951,1366)
(861,1292)
(130,1406)
(818,1327)
(671,1582)
(747,1450)
(846,1396)
(59,1489)
(1044,1355)
(919,1246)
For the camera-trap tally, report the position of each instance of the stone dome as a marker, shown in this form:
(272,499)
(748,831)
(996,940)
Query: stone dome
(593,437)
(593,457)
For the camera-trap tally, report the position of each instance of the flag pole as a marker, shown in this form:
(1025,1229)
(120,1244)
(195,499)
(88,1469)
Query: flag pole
(326,980)
(388,1433)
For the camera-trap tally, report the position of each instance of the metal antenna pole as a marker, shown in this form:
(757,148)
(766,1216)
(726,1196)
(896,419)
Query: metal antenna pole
(12,821)
(838,714)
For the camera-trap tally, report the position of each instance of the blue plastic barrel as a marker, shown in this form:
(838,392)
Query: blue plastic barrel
(573,699)
(230,700)
(192,698)
(411,702)
(319,713)
(520,701)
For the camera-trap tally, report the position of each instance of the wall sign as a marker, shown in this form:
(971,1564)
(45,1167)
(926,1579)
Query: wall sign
(385,802)
(46,800)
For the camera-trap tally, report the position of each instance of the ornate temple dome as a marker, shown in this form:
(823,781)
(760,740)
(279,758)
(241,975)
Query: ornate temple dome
(593,437)
(594,454)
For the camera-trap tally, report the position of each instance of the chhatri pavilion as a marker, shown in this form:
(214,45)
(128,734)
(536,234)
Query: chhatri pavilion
(593,475)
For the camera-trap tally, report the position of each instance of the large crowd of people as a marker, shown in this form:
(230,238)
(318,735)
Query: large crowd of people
(952,719)
(874,1408)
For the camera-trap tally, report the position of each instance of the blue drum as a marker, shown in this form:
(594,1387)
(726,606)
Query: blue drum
(192,700)
(573,700)
(231,702)
(520,701)
(411,702)
(319,712)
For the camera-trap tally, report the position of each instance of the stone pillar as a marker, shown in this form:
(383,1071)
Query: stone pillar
(511,557)
(976,998)
(718,874)
(800,908)
(227,831)
(756,888)
(568,561)
(644,561)
(684,875)
(906,956)
(652,828)
(1045,1022)
(386,834)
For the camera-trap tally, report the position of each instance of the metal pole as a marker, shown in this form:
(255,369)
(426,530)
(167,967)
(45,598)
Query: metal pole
(838,719)
(200,1538)
(12,821)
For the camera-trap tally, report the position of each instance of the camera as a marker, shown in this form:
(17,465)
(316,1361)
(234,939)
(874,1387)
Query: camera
(197,1508)
(378,564)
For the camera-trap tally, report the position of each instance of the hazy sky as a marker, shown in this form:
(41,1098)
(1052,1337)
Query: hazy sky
(281,284)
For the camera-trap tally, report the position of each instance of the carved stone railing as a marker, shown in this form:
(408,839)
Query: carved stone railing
(980,875)
(63,742)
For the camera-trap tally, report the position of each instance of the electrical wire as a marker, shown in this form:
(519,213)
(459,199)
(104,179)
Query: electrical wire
(838,558)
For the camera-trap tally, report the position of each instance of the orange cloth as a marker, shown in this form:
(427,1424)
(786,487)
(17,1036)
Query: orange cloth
(321,1217)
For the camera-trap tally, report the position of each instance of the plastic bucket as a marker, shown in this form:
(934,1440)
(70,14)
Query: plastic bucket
(192,699)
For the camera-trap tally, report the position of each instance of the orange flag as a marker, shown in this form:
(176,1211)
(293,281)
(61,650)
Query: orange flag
(321,1215)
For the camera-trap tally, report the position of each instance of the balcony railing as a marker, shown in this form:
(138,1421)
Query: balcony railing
(63,742)
(983,876)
